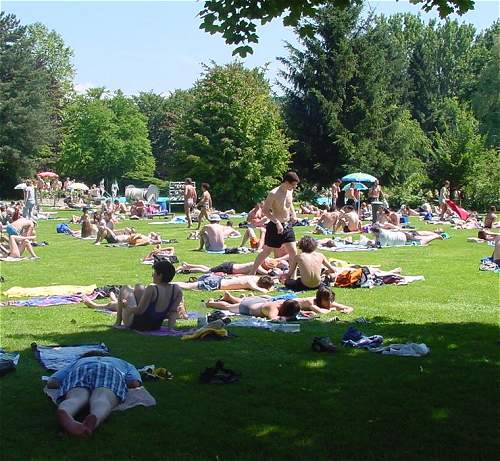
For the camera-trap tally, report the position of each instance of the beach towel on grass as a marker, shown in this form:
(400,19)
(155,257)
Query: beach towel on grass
(45,301)
(12,356)
(20,292)
(54,358)
(135,397)
(347,248)
(10,259)
(165,331)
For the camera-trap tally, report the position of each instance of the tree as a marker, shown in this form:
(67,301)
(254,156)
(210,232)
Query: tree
(232,137)
(25,124)
(237,20)
(340,104)
(105,138)
(163,114)
(53,56)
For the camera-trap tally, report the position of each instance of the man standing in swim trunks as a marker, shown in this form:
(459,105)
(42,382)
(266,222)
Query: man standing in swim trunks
(189,199)
(205,203)
(278,207)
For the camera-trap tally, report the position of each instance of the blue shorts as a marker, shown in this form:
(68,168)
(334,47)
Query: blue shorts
(11,230)
(209,282)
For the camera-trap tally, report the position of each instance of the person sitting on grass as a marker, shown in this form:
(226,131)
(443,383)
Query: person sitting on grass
(95,380)
(389,238)
(211,282)
(18,244)
(232,268)
(257,306)
(323,302)
(349,220)
(212,235)
(490,218)
(310,264)
(328,220)
(145,309)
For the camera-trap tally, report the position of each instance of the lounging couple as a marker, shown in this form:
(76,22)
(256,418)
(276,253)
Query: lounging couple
(267,307)
(128,236)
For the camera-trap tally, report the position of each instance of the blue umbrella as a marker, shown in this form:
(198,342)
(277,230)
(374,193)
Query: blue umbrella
(359,177)
(357,185)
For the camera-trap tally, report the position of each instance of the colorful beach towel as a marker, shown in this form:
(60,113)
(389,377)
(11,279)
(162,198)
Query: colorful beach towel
(54,290)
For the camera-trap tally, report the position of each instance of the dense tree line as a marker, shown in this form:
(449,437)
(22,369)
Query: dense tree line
(411,102)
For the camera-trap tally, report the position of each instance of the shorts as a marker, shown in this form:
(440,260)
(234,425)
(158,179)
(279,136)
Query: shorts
(92,376)
(275,240)
(189,203)
(209,282)
(297,285)
(11,230)
(246,305)
(350,201)
(226,268)
(111,239)
(145,323)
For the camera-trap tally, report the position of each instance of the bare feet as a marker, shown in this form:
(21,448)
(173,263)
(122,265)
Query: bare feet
(71,426)
(90,423)
(226,296)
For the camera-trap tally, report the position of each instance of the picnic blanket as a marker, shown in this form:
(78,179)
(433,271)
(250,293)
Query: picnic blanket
(54,290)
(54,358)
(12,356)
(135,397)
(45,301)
(165,331)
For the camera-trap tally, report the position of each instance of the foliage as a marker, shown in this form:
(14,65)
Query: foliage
(163,114)
(340,105)
(105,137)
(232,137)
(25,123)
(409,192)
(237,20)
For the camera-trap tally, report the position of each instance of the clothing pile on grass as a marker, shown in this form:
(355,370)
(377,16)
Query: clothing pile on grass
(361,277)
(489,264)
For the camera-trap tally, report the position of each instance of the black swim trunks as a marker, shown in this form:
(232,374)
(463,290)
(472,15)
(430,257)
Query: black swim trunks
(275,240)
(297,285)
(226,268)
(110,239)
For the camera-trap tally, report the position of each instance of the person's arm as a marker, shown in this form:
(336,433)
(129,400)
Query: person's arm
(177,299)
(253,286)
(268,212)
(143,303)
(327,264)
(291,270)
(270,312)
(293,215)
(342,307)
(132,377)
(57,378)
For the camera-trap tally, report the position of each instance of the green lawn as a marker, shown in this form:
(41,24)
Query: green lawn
(291,403)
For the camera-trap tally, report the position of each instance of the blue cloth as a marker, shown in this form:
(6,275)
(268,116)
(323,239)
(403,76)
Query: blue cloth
(356,339)
(58,357)
(209,282)
(94,372)
(11,230)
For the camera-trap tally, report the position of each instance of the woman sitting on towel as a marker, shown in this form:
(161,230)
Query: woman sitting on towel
(145,309)
(96,380)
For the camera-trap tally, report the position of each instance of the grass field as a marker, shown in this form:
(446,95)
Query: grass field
(291,403)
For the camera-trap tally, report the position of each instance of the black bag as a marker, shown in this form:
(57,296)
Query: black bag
(172,259)
(6,366)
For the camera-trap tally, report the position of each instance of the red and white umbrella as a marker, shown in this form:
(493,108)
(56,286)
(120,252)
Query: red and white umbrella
(47,174)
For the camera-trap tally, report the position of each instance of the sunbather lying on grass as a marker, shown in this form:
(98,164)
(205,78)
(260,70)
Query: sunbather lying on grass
(323,302)
(257,306)
(210,282)
(235,268)
(388,238)
(95,381)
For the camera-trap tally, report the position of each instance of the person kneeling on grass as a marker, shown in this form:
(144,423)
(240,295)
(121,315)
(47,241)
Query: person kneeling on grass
(310,264)
(96,380)
(257,306)
(17,245)
(145,309)
(211,282)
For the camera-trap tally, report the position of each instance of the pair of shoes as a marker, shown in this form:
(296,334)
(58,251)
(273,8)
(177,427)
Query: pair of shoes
(323,344)
(219,375)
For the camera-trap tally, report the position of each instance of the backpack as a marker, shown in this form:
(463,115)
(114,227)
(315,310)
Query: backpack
(352,278)
(62,228)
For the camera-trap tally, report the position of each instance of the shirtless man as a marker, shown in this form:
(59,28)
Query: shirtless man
(212,235)
(350,195)
(257,306)
(310,263)
(391,217)
(22,226)
(17,245)
(374,192)
(349,220)
(278,207)
(329,219)
(189,199)
(444,194)
(336,192)
(490,218)
(211,282)
(235,268)
(323,302)
(205,203)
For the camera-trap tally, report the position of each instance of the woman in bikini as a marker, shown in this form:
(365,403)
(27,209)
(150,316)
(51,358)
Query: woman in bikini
(145,309)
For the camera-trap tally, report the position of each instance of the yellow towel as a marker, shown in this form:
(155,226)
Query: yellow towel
(54,290)
(339,263)
(202,332)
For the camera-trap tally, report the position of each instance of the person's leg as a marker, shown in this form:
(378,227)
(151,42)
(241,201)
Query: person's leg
(266,251)
(246,236)
(425,239)
(102,401)
(187,285)
(14,249)
(101,234)
(262,238)
(186,267)
(126,299)
(291,249)
(203,213)
(25,244)
(235,308)
(187,212)
(75,400)
(203,240)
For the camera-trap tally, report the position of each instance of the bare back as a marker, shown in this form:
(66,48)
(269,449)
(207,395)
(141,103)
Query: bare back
(309,265)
